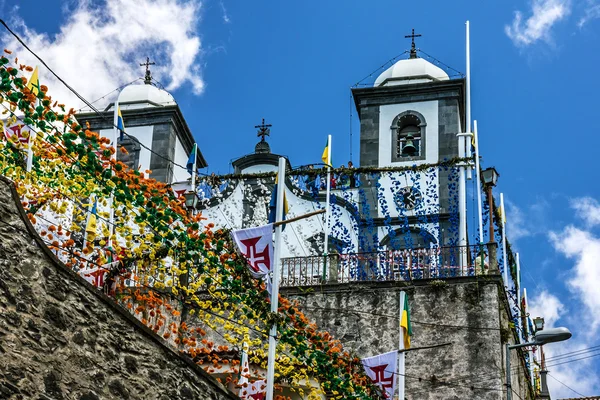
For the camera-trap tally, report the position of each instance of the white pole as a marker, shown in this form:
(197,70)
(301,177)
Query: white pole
(468,94)
(328,193)
(32,135)
(462,203)
(504,255)
(275,278)
(477,175)
(401,355)
(518,287)
(111,218)
(518,282)
(243,364)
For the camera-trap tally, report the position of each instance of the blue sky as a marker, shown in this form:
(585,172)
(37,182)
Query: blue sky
(231,63)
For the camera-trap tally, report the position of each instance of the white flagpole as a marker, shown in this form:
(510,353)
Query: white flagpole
(111,219)
(468,94)
(243,362)
(401,354)
(518,282)
(504,255)
(479,207)
(275,278)
(327,208)
(462,183)
(518,287)
(32,135)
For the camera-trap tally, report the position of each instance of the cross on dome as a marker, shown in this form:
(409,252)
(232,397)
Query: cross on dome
(263,130)
(413,49)
(147,64)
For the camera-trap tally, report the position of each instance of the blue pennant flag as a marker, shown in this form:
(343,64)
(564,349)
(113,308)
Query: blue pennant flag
(192,160)
(120,125)
(273,205)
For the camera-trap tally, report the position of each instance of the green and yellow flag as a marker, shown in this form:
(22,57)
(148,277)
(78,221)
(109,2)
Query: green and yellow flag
(34,82)
(405,322)
(325,156)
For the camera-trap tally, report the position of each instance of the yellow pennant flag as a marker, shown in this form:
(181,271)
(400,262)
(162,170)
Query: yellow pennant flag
(34,82)
(325,156)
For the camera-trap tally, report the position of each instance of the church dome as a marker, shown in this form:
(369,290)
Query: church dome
(412,70)
(142,96)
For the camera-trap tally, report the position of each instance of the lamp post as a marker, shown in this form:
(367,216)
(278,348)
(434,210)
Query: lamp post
(490,178)
(539,323)
(191,200)
(540,338)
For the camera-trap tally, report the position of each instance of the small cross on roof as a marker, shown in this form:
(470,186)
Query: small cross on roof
(413,49)
(263,130)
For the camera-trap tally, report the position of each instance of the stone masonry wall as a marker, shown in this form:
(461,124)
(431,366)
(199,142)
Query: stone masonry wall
(60,338)
(465,313)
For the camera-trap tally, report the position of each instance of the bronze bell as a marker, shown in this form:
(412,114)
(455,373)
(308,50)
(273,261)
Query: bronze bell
(409,148)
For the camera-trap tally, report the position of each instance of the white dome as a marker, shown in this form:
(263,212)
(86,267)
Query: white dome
(412,70)
(142,96)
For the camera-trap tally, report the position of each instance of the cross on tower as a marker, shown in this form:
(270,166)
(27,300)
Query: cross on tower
(413,49)
(147,64)
(263,130)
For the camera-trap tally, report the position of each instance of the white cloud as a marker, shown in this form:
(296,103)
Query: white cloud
(546,305)
(525,222)
(516,227)
(545,13)
(99,46)
(588,209)
(226,18)
(592,11)
(584,248)
(577,375)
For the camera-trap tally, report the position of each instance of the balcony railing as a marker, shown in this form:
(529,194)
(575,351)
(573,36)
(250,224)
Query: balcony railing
(389,265)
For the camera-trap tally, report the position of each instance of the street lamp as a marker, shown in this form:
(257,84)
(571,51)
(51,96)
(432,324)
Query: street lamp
(539,323)
(191,200)
(540,338)
(490,178)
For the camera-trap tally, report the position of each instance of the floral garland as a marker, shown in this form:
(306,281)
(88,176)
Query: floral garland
(159,242)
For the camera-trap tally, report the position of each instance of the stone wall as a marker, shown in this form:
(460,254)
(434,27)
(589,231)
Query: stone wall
(467,316)
(60,338)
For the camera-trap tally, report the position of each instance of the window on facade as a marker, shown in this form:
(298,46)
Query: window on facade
(408,135)
(133,147)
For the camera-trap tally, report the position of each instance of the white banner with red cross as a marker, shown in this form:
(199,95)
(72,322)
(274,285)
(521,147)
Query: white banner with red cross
(256,245)
(254,391)
(382,370)
(17,132)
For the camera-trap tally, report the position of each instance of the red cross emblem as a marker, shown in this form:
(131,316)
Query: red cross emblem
(256,257)
(18,131)
(381,380)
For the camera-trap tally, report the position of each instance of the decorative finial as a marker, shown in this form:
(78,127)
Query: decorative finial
(263,130)
(413,49)
(148,77)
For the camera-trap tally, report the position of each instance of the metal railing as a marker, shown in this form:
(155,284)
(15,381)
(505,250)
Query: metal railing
(389,265)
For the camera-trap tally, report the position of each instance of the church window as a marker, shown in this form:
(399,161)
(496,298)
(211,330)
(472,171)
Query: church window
(133,147)
(408,137)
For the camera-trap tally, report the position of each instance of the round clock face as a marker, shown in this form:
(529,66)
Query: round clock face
(408,198)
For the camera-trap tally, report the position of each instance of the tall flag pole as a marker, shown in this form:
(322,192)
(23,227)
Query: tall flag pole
(326,157)
(111,217)
(468,91)
(518,287)
(478,177)
(462,184)
(404,342)
(275,280)
(504,255)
